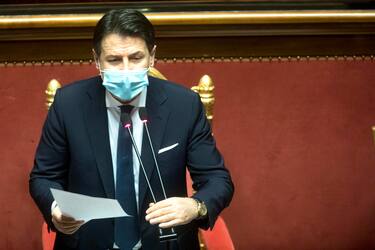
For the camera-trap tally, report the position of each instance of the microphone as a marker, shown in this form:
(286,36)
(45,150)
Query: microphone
(126,122)
(144,118)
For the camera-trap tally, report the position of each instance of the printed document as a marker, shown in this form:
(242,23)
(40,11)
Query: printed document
(83,207)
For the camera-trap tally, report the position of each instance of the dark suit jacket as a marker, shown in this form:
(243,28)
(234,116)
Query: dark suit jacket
(74,155)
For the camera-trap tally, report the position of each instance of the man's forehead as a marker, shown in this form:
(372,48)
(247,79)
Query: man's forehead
(114,43)
(122,50)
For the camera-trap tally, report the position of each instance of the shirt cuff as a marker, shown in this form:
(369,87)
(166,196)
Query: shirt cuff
(54,204)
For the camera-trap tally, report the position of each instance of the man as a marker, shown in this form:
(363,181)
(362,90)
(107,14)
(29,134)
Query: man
(85,149)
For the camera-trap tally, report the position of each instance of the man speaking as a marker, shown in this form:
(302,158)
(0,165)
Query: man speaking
(90,138)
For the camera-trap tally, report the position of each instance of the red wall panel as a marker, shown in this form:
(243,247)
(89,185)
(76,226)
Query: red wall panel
(296,136)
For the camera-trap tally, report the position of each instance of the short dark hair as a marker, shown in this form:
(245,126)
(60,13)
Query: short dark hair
(124,22)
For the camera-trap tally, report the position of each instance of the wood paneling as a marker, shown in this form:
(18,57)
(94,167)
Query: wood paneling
(186,34)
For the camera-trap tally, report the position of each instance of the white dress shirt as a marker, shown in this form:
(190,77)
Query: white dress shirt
(113,111)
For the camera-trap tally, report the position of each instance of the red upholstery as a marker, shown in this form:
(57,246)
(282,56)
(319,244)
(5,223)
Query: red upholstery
(48,238)
(218,238)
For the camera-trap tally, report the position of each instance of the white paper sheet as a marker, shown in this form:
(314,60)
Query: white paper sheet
(83,207)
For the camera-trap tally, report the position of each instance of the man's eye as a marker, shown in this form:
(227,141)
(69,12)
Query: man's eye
(136,58)
(113,60)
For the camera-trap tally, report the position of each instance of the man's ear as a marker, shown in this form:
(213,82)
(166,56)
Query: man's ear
(152,56)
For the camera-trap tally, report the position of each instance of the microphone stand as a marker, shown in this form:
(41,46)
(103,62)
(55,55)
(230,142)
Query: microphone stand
(172,235)
(126,121)
(127,125)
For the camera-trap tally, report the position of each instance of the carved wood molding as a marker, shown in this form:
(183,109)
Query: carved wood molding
(261,59)
(196,18)
(199,34)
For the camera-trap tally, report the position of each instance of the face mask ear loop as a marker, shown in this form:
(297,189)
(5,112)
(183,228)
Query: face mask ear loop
(100,70)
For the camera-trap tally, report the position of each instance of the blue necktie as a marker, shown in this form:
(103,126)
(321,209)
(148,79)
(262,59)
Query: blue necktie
(126,228)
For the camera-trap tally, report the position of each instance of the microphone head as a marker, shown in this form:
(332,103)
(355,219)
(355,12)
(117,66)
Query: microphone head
(143,114)
(126,120)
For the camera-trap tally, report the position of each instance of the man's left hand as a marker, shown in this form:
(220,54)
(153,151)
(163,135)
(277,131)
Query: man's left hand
(172,212)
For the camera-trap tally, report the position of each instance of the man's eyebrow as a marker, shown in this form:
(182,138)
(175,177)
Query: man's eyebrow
(137,53)
(112,55)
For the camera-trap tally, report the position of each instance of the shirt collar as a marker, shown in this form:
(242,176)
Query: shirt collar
(139,101)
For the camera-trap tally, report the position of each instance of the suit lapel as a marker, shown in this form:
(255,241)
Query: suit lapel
(97,126)
(158,117)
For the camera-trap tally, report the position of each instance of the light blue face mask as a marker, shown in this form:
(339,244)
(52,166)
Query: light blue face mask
(125,84)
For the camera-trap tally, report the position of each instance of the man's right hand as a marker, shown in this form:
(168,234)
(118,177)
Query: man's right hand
(63,223)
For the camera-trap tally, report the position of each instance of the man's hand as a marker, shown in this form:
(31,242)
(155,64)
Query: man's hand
(172,212)
(63,223)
